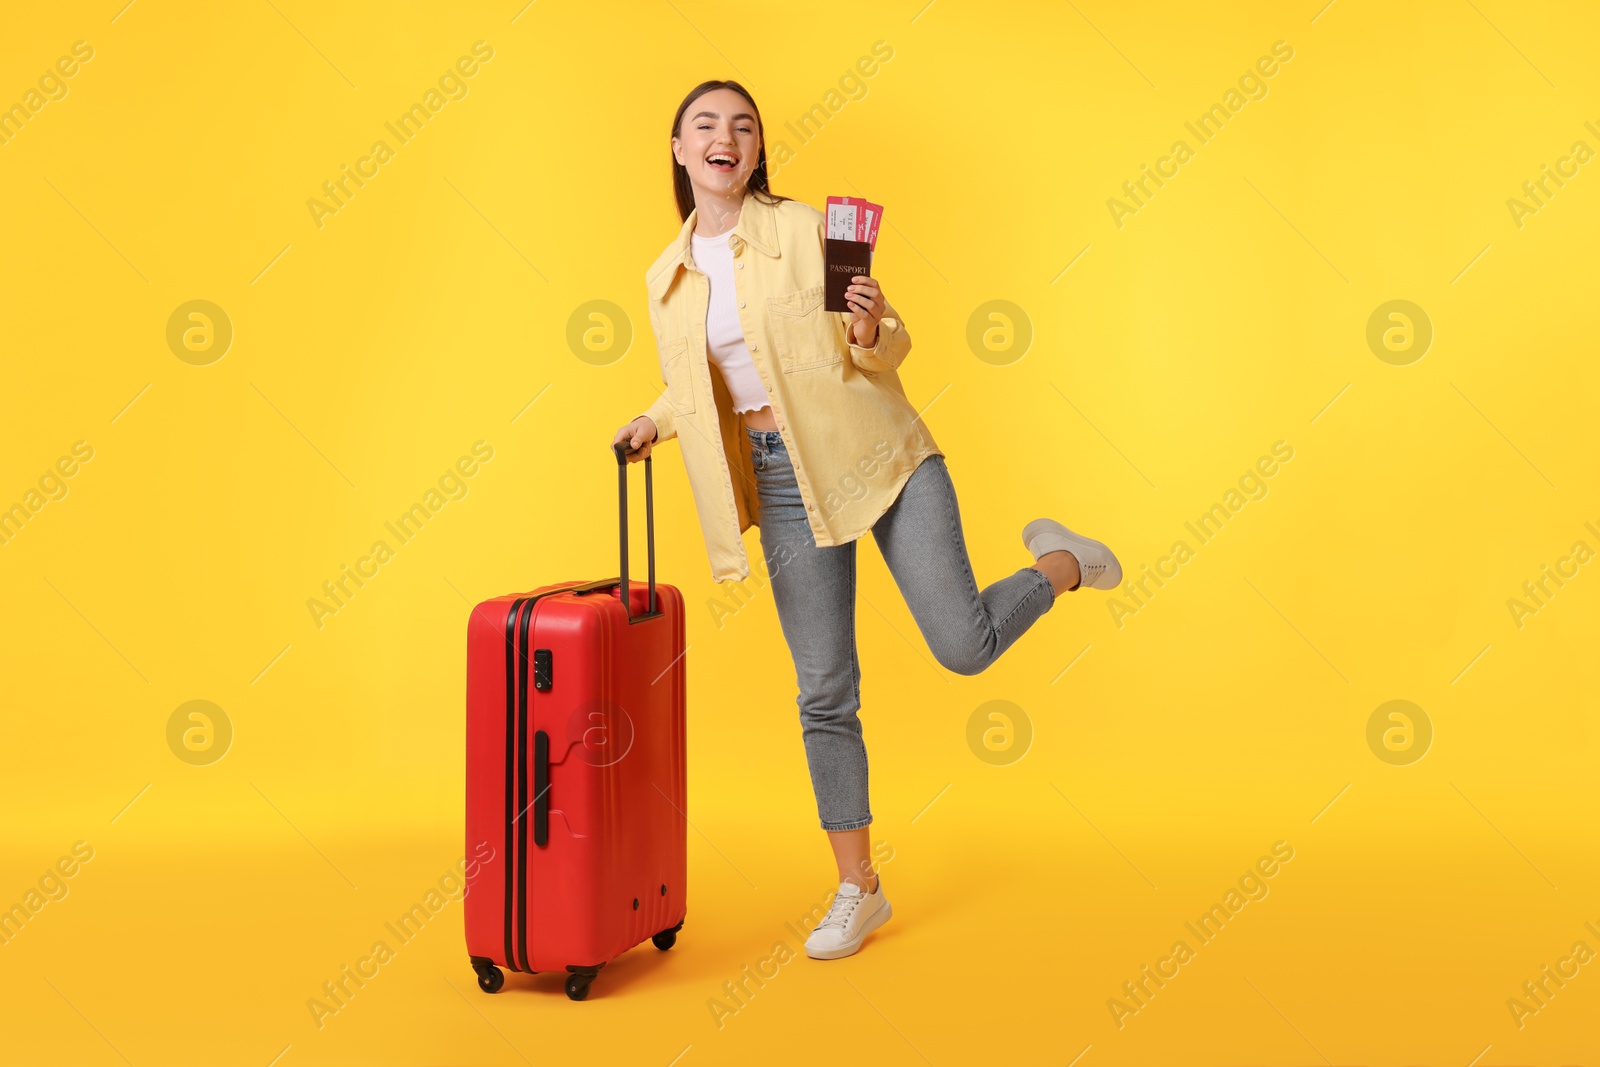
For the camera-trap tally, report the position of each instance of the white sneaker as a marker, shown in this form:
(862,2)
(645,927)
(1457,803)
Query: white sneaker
(1099,569)
(854,915)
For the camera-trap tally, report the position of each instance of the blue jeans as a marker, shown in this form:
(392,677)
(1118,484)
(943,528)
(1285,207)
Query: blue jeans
(815,592)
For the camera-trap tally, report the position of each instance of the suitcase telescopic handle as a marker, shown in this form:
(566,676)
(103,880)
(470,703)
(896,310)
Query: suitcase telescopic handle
(621,451)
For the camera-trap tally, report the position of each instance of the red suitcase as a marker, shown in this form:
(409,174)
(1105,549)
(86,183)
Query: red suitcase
(576,792)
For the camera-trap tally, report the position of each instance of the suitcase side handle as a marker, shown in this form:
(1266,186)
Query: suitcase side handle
(650,534)
(541,788)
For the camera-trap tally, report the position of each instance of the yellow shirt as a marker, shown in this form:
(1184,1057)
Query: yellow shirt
(850,432)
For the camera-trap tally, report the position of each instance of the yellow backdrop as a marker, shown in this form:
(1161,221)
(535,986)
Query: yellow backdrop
(317,323)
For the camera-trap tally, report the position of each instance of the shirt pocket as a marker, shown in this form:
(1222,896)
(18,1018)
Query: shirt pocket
(678,373)
(805,336)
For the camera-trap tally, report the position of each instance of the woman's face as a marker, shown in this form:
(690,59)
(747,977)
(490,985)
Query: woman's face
(718,125)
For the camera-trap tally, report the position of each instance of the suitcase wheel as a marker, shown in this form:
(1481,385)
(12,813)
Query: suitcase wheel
(666,938)
(491,979)
(578,979)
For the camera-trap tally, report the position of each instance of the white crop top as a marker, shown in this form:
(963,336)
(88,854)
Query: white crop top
(725,344)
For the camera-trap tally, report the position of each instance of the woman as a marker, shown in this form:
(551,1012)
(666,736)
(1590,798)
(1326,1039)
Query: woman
(793,418)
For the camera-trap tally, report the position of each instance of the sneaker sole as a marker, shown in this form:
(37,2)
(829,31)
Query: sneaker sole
(850,948)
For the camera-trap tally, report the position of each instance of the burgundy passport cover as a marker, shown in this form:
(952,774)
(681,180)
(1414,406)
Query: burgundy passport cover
(843,260)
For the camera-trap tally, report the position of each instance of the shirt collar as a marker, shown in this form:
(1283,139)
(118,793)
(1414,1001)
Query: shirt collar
(757,225)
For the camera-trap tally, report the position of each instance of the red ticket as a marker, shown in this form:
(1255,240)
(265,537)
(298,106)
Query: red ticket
(874,215)
(851,218)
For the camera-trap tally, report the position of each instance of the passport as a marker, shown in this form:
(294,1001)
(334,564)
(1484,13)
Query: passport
(850,235)
(842,261)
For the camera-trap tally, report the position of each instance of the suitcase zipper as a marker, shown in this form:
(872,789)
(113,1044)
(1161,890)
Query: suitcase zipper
(522,783)
(516,776)
(511,765)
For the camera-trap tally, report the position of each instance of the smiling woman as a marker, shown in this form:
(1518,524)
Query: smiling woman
(793,418)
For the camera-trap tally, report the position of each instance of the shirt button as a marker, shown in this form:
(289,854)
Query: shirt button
(809,506)
(739,265)
(741,303)
(755,348)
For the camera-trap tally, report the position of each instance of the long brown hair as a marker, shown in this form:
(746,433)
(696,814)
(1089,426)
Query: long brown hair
(681,187)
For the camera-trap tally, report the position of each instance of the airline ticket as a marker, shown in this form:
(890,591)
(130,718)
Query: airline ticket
(851,218)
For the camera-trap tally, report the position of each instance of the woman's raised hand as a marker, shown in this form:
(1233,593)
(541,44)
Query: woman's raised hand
(869,305)
(639,436)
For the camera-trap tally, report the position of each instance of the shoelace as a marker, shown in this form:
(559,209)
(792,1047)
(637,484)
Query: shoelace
(839,914)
